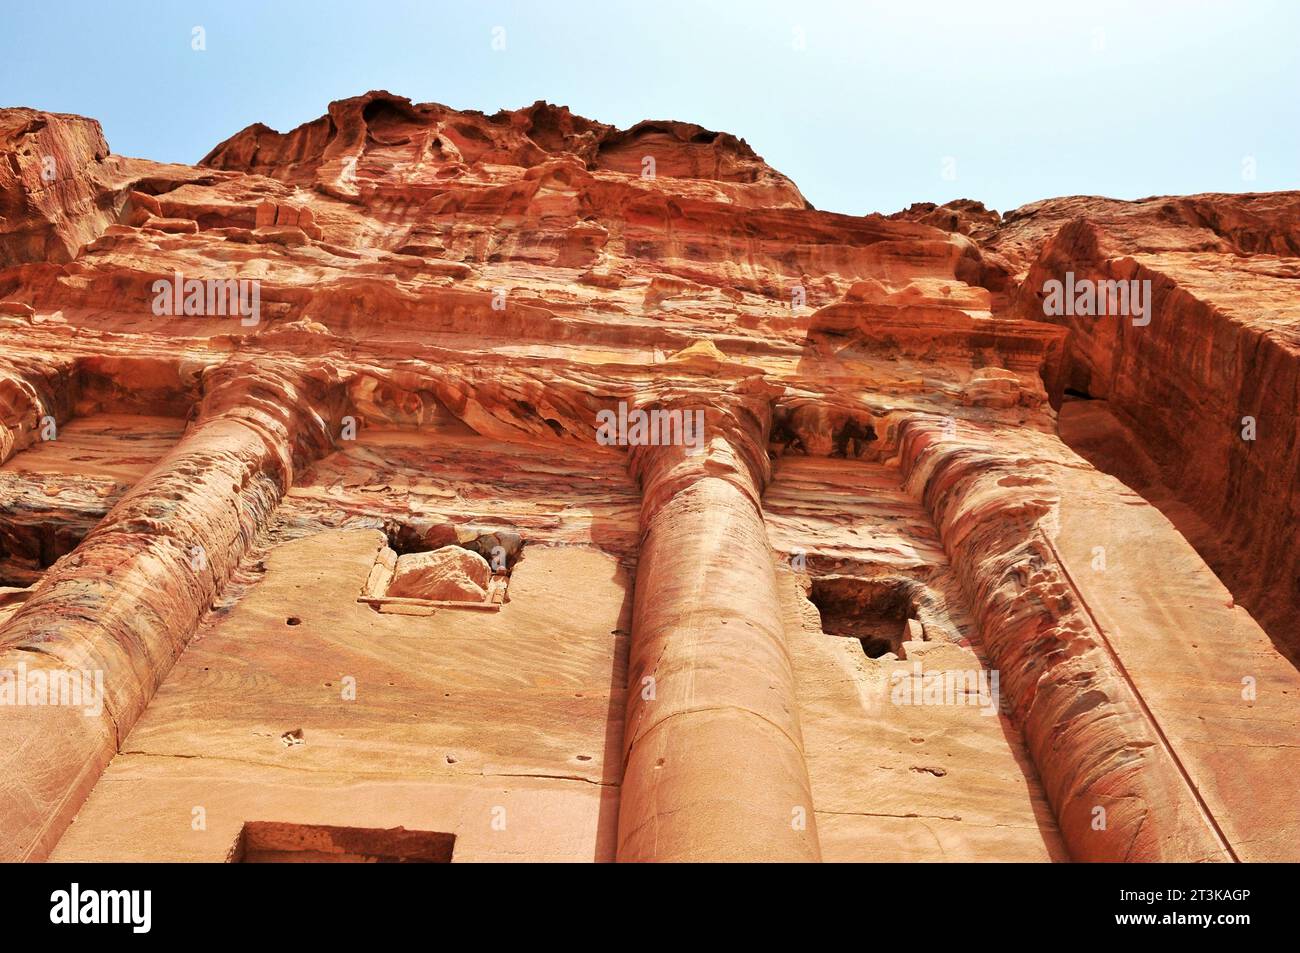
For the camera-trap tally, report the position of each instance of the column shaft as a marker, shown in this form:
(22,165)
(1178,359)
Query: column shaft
(714,758)
(122,606)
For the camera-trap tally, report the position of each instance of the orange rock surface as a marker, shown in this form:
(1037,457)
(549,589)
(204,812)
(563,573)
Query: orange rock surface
(559,492)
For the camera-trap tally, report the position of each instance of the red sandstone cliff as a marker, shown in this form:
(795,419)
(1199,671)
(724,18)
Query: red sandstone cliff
(695,650)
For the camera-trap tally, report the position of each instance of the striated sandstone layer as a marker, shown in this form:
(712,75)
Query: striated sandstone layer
(559,492)
(1201,404)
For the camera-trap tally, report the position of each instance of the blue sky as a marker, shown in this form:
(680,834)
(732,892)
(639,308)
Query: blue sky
(867,106)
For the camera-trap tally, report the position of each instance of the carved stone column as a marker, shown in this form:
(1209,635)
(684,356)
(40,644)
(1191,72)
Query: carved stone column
(714,766)
(119,609)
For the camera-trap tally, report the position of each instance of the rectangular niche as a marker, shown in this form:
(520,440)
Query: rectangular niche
(414,575)
(879,612)
(270,842)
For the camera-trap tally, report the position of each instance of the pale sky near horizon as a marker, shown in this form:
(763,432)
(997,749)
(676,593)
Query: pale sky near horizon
(868,106)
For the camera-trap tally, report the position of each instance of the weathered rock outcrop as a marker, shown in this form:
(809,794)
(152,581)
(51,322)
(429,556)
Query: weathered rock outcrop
(583,493)
(1208,383)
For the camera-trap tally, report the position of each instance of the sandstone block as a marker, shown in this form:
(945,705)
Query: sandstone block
(447,573)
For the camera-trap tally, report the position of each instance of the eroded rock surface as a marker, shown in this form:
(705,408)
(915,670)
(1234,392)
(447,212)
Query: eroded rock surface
(802,562)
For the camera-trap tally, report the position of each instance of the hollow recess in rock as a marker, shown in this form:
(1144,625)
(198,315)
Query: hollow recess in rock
(427,566)
(269,842)
(875,611)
